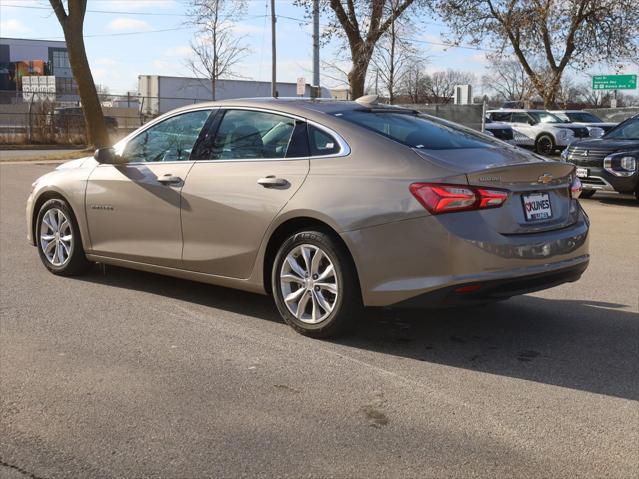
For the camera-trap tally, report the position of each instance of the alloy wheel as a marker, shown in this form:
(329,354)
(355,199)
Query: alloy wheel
(56,237)
(309,283)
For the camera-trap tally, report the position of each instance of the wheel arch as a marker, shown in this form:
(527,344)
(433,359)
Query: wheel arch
(289,227)
(42,198)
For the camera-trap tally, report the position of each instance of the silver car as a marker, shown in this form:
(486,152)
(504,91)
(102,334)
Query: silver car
(327,206)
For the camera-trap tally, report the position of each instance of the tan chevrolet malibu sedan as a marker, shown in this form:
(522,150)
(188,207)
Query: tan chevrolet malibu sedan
(327,206)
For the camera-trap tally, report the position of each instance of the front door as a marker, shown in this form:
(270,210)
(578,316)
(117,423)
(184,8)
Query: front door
(133,208)
(254,163)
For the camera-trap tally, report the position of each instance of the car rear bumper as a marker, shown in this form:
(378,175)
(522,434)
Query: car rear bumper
(408,259)
(478,292)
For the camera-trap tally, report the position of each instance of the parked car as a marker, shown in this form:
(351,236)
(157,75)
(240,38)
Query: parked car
(542,130)
(596,127)
(608,163)
(70,120)
(327,205)
(499,130)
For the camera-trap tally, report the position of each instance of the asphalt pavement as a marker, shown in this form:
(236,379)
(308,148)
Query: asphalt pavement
(128,374)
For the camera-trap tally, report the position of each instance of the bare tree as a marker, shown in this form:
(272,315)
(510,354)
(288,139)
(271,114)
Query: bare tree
(393,54)
(548,33)
(508,80)
(216,48)
(72,23)
(442,84)
(415,83)
(361,24)
(594,98)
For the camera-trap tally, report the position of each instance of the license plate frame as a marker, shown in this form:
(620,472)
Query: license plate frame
(582,172)
(537,206)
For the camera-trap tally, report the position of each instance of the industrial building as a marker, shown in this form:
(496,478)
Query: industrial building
(22,57)
(159,94)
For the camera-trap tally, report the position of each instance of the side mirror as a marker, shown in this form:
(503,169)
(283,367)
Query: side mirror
(532,122)
(105,156)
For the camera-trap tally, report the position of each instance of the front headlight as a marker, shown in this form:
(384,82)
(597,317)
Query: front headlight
(562,134)
(628,163)
(620,164)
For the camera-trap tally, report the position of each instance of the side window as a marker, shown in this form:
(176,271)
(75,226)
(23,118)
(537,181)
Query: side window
(171,140)
(321,143)
(245,134)
(500,116)
(520,118)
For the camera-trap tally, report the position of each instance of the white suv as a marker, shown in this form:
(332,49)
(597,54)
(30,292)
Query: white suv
(596,127)
(540,129)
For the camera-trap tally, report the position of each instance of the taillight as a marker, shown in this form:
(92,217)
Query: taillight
(575,188)
(441,198)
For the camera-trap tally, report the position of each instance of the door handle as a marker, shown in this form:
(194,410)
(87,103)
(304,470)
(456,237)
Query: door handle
(169,179)
(271,182)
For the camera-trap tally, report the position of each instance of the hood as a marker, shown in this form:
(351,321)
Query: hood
(463,160)
(603,143)
(79,163)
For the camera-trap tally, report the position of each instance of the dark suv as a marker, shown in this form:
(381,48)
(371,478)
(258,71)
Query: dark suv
(609,163)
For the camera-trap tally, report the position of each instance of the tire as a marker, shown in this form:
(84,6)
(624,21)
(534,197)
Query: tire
(545,144)
(332,304)
(585,194)
(63,253)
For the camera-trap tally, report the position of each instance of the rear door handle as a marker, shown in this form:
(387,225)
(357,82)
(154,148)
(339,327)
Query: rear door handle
(271,182)
(169,179)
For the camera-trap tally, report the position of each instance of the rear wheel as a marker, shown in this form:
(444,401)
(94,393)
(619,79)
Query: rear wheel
(587,194)
(545,144)
(58,238)
(315,286)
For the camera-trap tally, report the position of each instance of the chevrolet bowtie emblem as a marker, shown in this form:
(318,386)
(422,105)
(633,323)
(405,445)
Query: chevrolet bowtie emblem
(545,178)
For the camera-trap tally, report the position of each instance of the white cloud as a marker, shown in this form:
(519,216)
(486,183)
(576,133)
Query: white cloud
(13,26)
(125,23)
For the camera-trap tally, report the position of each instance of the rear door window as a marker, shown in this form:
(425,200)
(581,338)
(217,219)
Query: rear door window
(246,134)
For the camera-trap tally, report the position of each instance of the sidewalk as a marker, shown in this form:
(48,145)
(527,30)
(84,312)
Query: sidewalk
(40,155)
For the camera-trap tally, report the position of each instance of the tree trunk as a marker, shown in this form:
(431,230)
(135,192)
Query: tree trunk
(97,135)
(213,88)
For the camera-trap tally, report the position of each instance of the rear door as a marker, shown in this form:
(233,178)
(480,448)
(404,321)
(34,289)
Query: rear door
(133,208)
(252,164)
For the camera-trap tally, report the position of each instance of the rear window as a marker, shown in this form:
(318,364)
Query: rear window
(417,131)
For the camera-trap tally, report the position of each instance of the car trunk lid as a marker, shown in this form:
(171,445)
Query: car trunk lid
(539,189)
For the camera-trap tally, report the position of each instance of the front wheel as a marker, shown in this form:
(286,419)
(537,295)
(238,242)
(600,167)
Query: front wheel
(58,238)
(315,286)
(545,145)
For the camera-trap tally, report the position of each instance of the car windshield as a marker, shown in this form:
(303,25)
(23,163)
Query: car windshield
(417,131)
(545,117)
(582,117)
(628,130)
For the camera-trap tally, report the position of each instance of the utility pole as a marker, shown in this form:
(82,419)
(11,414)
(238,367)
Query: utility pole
(315,87)
(273,52)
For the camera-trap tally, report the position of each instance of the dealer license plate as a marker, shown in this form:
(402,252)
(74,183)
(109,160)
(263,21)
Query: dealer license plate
(582,172)
(537,206)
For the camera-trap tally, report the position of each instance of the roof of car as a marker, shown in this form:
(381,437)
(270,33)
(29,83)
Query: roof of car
(299,106)
(517,110)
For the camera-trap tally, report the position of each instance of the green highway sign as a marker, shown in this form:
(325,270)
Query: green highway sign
(614,82)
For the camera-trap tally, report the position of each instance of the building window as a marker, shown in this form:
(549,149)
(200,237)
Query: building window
(65,86)
(60,59)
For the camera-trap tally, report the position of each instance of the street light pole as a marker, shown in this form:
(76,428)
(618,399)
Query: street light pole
(273,52)
(316,50)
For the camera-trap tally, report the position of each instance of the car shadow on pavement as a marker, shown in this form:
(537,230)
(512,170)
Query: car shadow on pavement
(579,344)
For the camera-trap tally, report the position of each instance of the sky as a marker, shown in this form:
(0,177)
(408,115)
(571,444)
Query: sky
(127,38)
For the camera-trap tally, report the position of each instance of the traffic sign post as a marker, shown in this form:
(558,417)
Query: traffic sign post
(301,86)
(614,82)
